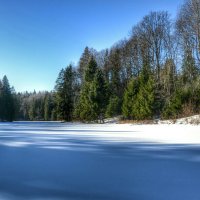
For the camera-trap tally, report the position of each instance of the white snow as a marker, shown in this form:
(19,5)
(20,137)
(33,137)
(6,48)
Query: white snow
(194,120)
(50,160)
(157,133)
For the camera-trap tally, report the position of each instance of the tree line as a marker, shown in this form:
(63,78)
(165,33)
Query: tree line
(155,73)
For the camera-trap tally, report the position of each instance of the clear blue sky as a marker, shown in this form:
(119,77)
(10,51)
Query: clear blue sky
(39,37)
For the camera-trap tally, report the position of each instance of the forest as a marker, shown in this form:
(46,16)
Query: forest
(153,74)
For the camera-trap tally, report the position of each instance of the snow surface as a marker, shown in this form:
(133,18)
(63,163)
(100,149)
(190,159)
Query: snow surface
(50,160)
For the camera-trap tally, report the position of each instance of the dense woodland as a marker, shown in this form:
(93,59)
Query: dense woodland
(155,73)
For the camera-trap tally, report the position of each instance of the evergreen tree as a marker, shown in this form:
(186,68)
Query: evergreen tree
(100,94)
(130,95)
(90,71)
(113,107)
(173,106)
(32,110)
(189,69)
(7,101)
(65,94)
(85,110)
(93,95)
(139,97)
(83,63)
(47,109)
(144,106)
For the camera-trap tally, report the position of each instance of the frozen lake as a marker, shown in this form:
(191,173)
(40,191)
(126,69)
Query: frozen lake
(54,161)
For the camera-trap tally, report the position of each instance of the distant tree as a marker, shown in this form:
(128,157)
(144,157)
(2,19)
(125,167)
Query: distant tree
(32,110)
(7,101)
(47,108)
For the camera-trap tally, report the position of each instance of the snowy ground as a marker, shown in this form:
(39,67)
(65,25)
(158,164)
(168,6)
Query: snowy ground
(41,160)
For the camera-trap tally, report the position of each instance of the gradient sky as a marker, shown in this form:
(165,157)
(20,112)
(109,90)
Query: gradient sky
(39,37)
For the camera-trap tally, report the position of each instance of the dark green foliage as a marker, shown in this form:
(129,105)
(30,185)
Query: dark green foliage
(129,98)
(7,110)
(139,97)
(48,107)
(173,107)
(33,106)
(114,107)
(64,97)
(143,107)
(90,71)
(100,93)
(115,79)
(189,69)
(93,94)
(87,107)
(83,63)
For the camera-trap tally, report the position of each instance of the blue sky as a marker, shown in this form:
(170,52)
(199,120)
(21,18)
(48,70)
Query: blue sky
(39,37)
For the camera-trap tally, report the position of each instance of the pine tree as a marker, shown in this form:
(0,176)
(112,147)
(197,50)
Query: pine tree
(47,108)
(99,87)
(113,107)
(65,94)
(7,101)
(189,69)
(143,107)
(116,88)
(32,110)
(93,95)
(83,63)
(85,110)
(139,97)
(173,107)
(90,71)
(130,95)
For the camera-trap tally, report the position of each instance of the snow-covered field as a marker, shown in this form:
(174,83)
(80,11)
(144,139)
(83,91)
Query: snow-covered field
(50,160)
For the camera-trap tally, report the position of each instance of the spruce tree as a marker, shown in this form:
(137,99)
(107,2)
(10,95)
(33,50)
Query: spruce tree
(130,95)
(93,94)
(32,110)
(83,63)
(143,107)
(85,110)
(65,94)
(100,89)
(173,107)
(113,107)
(47,108)
(90,71)
(7,101)
(139,97)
